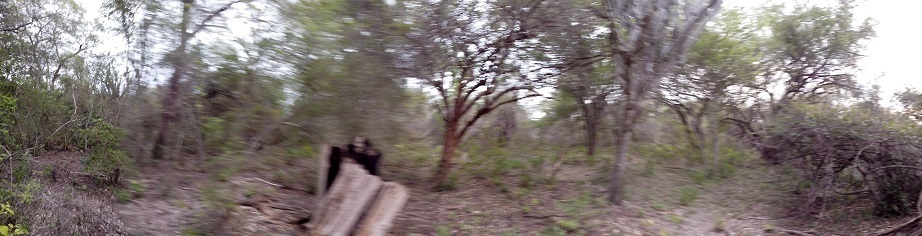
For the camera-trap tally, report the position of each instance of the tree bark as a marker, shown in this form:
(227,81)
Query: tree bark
(623,138)
(449,145)
(591,135)
(716,144)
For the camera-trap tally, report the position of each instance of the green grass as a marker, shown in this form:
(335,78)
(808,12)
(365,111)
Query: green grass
(568,225)
(674,218)
(687,196)
(719,226)
(443,231)
(123,196)
(698,177)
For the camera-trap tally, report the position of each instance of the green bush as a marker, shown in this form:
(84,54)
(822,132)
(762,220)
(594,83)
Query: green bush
(8,228)
(7,107)
(214,129)
(123,196)
(568,225)
(106,160)
(898,192)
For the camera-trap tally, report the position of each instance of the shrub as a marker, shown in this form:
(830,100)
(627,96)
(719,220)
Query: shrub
(9,228)
(105,159)
(214,129)
(123,196)
(898,194)
(568,225)
(829,140)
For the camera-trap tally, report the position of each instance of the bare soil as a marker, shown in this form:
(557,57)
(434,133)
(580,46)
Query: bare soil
(271,196)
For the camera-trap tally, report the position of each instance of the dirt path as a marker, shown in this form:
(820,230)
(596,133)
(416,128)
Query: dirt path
(746,204)
(743,205)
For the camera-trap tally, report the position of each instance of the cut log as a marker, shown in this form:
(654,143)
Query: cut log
(340,209)
(378,220)
(323,166)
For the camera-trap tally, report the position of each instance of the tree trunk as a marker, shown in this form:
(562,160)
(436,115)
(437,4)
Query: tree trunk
(625,132)
(716,144)
(170,100)
(449,145)
(593,113)
(591,133)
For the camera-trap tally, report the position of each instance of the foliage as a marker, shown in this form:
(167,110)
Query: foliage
(815,48)
(10,229)
(7,109)
(839,143)
(106,159)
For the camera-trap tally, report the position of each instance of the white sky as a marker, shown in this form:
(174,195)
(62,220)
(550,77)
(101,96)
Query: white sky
(891,54)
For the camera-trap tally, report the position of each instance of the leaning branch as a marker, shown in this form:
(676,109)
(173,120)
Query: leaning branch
(896,166)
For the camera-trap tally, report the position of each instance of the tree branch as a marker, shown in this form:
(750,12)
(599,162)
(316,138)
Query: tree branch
(213,14)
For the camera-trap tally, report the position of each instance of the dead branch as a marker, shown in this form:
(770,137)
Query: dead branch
(896,166)
(277,185)
(266,182)
(797,232)
(543,216)
(911,226)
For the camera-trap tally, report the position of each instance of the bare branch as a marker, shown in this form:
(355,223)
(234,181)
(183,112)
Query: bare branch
(211,16)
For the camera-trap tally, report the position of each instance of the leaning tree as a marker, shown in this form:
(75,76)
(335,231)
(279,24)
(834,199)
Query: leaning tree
(647,39)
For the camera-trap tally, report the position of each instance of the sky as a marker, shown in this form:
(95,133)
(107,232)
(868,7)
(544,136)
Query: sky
(889,57)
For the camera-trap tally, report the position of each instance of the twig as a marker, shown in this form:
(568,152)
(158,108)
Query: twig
(896,166)
(542,217)
(86,174)
(797,232)
(277,185)
(266,182)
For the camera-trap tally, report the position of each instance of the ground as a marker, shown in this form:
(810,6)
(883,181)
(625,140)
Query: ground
(270,195)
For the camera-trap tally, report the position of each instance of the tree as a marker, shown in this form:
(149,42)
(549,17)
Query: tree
(578,53)
(346,56)
(722,61)
(648,39)
(472,55)
(811,54)
(189,26)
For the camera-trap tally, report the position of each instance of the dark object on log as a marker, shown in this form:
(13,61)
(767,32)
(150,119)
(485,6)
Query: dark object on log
(336,158)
